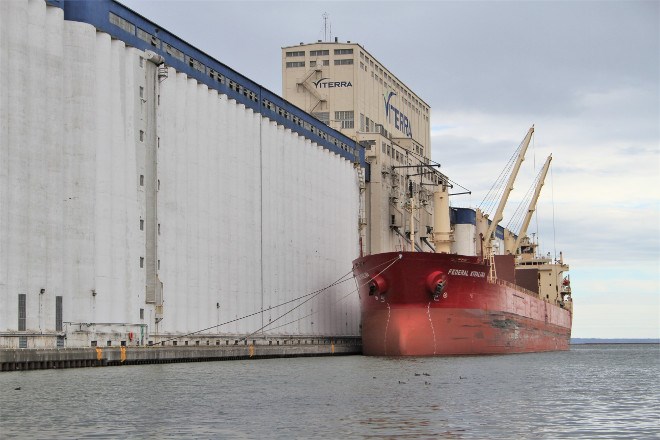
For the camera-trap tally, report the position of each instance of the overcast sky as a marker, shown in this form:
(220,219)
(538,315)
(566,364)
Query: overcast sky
(586,74)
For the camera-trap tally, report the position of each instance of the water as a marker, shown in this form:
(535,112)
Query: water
(591,391)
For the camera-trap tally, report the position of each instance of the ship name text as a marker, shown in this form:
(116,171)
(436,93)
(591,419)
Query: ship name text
(465,273)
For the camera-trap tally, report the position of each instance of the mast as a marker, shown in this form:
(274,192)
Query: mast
(532,205)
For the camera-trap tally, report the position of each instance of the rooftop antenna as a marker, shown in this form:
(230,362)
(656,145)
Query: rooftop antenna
(327,27)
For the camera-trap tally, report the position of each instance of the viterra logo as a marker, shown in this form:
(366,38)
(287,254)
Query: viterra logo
(320,84)
(401,121)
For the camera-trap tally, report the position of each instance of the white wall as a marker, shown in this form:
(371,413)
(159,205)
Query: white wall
(251,214)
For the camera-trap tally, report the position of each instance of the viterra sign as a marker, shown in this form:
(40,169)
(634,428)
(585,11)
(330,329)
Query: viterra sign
(401,121)
(323,84)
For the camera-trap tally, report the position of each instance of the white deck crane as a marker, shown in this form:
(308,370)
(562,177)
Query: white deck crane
(489,237)
(511,249)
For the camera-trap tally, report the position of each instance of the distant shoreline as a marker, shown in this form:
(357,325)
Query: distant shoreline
(593,341)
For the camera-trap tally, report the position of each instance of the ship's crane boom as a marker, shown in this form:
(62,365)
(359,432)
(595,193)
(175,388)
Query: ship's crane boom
(532,205)
(509,186)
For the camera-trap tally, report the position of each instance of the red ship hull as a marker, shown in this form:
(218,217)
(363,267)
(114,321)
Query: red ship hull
(406,313)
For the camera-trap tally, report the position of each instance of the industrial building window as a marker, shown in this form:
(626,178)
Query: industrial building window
(361,122)
(296,54)
(323,117)
(312,64)
(318,53)
(343,51)
(141,313)
(346,119)
(343,62)
(21,312)
(295,64)
(141,136)
(58,313)
(383,148)
(141,261)
(141,179)
(326,62)
(141,225)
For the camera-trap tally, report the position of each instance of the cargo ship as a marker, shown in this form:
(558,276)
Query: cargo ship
(444,303)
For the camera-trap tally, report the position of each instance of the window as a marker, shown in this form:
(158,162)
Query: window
(58,313)
(346,119)
(326,62)
(343,62)
(295,64)
(300,53)
(361,122)
(343,51)
(312,64)
(318,53)
(323,117)
(141,225)
(141,179)
(141,313)
(21,312)
(141,261)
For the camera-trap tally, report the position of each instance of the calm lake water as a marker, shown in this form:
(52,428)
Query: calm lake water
(591,391)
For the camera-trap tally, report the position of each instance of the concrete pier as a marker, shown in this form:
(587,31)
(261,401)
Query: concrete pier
(40,359)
